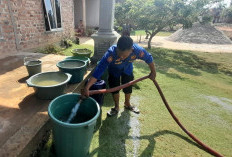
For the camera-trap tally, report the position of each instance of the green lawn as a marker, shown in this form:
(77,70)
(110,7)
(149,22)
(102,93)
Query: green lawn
(56,49)
(189,80)
(142,32)
(67,51)
(198,87)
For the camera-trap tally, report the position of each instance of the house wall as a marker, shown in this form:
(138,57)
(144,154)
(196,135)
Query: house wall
(25,29)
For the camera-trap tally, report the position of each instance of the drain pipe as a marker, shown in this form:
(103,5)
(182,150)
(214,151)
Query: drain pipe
(207,148)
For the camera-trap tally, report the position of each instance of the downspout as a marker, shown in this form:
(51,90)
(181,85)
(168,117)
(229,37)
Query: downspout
(14,25)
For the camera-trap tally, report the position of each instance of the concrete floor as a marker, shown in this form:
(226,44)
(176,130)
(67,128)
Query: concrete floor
(22,115)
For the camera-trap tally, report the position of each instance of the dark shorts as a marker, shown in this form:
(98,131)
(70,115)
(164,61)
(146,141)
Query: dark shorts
(117,81)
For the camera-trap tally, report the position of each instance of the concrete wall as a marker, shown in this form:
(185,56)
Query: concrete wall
(77,12)
(92,12)
(26,26)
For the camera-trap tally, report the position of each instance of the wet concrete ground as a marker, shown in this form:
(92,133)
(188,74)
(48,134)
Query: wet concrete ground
(21,113)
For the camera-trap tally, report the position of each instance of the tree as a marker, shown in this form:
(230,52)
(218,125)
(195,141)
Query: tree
(227,13)
(122,14)
(155,15)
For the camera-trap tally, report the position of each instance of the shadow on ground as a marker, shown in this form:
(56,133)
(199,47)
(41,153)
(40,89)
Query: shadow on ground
(10,63)
(150,149)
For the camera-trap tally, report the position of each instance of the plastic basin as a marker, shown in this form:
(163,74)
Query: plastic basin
(81,52)
(85,59)
(76,68)
(49,85)
(73,139)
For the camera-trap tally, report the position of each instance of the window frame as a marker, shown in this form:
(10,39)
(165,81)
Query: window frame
(53,7)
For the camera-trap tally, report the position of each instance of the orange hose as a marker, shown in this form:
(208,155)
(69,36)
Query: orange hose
(207,148)
(91,92)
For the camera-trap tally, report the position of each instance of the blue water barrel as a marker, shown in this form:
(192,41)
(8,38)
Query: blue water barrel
(100,84)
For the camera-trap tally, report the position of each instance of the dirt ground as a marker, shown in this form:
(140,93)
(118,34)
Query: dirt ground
(21,113)
(164,43)
(159,41)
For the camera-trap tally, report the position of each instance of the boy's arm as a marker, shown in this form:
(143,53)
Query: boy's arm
(147,57)
(91,81)
(101,67)
(152,75)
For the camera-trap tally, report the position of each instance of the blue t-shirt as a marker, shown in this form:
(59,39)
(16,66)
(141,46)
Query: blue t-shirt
(117,66)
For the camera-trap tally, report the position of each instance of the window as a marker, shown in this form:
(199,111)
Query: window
(52,14)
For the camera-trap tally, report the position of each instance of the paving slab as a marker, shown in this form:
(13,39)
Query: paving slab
(22,115)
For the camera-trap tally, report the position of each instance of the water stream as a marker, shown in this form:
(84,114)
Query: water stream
(74,111)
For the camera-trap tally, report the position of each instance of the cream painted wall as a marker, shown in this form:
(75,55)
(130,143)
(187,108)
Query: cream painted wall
(77,12)
(92,13)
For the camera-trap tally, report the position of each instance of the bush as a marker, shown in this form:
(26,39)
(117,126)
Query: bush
(206,19)
(49,49)
(66,42)
(52,49)
(90,31)
(227,14)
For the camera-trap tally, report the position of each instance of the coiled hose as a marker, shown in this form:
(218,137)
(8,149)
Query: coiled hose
(207,148)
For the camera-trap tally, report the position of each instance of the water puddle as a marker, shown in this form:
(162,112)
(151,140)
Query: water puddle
(224,102)
(3,124)
(135,127)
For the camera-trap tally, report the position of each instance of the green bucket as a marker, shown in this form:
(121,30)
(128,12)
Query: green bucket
(76,68)
(73,139)
(85,59)
(33,65)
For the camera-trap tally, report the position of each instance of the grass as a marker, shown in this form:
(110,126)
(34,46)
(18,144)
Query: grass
(186,78)
(55,49)
(188,81)
(67,51)
(142,32)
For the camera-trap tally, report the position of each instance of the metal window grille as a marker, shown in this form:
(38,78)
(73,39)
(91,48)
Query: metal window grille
(52,14)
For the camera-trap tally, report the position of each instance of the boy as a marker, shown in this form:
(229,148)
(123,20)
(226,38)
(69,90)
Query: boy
(119,61)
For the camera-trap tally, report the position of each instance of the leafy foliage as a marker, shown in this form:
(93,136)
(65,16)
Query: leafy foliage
(154,15)
(227,13)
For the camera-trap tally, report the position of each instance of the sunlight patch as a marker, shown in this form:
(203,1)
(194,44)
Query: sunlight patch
(135,127)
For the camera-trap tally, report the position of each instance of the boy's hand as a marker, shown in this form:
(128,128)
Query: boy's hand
(153,71)
(84,93)
(152,75)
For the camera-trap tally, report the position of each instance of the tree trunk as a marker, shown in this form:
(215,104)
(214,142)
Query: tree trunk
(149,42)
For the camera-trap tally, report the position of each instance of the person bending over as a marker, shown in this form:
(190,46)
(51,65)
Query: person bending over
(119,62)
